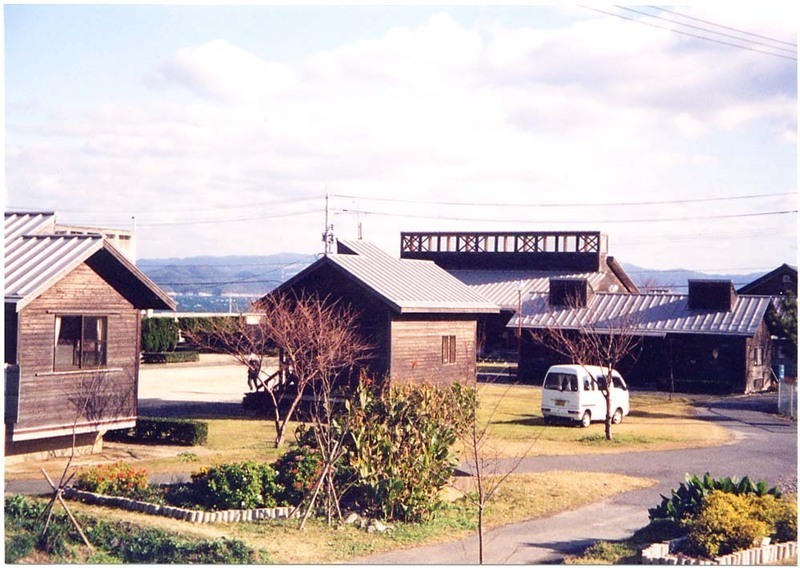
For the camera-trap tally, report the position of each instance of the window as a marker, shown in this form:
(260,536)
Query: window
(448,349)
(758,356)
(80,342)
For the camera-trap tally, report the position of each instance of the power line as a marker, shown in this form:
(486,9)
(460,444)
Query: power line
(561,222)
(721,26)
(639,21)
(575,204)
(737,38)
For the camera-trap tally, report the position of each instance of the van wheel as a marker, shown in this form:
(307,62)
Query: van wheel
(586,421)
(617,417)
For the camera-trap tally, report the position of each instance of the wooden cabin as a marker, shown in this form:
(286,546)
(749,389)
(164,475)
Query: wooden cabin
(73,306)
(709,340)
(421,321)
(507,267)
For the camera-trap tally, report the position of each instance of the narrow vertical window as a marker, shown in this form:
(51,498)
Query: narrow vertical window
(80,342)
(758,356)
(448,349)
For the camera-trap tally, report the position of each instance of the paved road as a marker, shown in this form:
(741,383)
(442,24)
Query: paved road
(765,448)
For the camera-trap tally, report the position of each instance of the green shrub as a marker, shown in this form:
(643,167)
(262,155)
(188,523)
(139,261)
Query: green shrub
(163,357)
(159,334)
(243,485)
(399,447)
(119,479)
(688,498)
(298,470)
(726,523)
(165,431)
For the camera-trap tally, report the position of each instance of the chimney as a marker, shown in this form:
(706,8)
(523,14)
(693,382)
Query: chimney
(570,292)
(713,295)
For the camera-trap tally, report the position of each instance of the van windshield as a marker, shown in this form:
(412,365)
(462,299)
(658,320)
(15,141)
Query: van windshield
(561,382)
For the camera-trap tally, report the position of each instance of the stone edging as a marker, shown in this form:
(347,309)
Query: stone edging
(190,515)
(659,553)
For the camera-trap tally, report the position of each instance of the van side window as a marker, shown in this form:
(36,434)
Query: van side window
(618,383)
(587,384)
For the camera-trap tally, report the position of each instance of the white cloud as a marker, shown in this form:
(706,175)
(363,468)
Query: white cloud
(601,109)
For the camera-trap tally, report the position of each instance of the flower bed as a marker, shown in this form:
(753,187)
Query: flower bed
(190,515)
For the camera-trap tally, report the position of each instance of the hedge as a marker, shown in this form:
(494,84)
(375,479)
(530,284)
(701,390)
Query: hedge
(175,431)
(171,357)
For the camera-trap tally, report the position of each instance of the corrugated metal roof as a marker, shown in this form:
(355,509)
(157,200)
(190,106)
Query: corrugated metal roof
(36,257)
(410,286)
(647,314)
(503,286)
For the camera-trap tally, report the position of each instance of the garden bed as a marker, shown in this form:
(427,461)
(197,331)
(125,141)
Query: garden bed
(666,553)
(190,515)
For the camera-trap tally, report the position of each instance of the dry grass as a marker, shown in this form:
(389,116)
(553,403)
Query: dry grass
(655,423)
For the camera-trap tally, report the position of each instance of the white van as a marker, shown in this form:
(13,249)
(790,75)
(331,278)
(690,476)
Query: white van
(572,392)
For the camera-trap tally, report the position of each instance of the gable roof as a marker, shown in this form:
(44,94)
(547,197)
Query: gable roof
(405,286)
(37,256)
(783,269)
(646,314)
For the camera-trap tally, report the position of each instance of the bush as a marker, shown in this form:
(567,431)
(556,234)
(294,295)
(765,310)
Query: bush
(171,357)
(159,334)
(298,470)
(688,498)
(243,485)
(119,479)
(165,430)
(726,523)
(399,447)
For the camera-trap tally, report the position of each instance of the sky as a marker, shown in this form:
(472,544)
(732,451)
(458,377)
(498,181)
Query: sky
(218,130)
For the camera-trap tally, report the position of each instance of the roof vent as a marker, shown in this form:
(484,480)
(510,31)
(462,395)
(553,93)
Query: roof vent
(714,295)
(570,292)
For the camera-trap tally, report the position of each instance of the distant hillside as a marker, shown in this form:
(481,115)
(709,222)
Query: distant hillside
(256,275)
(677,280)
(217,275)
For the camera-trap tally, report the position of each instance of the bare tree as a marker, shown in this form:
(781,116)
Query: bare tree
(317,339)
(591,340)
(95,397)
(488,471)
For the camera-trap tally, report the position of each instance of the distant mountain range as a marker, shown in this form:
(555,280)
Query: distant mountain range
(256,275)
(224,275)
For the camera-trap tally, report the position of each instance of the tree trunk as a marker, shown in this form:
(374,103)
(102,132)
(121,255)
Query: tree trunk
(609,436)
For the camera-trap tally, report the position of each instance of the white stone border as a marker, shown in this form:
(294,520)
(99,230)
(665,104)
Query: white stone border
(190,515)
(659,553)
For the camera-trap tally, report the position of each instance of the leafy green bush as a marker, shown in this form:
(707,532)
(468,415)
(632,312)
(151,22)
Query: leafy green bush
(165,430)
(298,470)
(688,498)
(119,479)
(159,334)
(243,485)
(399,447)
(114,541)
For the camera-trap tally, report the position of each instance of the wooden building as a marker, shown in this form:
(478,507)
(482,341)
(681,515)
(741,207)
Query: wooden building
(506,267)
(709,340)
(73,306)
(421,321)
(781,285)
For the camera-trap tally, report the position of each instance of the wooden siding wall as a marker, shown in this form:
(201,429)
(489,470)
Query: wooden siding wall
(47,397)
(416,353)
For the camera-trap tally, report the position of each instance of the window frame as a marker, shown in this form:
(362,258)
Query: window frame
(448,349)
(80,345)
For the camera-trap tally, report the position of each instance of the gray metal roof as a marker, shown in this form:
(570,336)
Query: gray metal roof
(409,286)
(503,287)
(37,256)
(646,314)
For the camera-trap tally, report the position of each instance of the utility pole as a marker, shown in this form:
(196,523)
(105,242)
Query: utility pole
(327,236)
